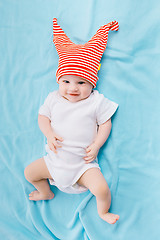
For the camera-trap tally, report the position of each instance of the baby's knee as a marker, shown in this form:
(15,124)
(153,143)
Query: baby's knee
(102,191)
(27,174)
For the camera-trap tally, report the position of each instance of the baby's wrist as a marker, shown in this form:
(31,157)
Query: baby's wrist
(97,145)
(50,135)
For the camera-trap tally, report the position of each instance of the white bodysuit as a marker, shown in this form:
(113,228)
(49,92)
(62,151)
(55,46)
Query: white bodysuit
(77,124)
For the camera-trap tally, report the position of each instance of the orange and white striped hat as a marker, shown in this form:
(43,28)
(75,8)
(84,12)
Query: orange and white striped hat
(82,60)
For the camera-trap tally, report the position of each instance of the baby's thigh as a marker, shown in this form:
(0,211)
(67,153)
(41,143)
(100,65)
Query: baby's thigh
(37,170)
(94,180)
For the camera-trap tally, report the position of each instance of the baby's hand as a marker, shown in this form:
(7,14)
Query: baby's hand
(92,152)
(52,142)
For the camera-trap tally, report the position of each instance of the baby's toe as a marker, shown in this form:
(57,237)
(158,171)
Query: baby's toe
(31,194)
(117,217)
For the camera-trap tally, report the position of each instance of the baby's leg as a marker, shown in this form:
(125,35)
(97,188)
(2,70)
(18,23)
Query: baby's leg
(94,180)
(37,173)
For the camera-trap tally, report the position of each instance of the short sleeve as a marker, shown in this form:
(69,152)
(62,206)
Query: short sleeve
(104,109)
(45,109)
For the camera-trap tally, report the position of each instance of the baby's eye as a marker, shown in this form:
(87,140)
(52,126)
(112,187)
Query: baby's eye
(65,81)
(81,82)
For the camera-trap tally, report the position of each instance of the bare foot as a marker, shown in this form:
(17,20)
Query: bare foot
(36,196)
(110,217)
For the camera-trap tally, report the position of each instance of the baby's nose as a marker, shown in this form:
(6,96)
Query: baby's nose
(73,87)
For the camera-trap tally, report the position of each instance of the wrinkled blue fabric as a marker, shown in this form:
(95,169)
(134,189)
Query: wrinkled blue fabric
(129,75)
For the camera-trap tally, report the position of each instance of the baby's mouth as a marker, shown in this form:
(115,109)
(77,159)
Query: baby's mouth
(73,94)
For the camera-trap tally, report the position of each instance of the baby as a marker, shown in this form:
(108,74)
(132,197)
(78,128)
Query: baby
(76,121)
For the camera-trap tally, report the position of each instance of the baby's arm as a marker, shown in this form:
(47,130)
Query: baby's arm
(52,138)
(102,135)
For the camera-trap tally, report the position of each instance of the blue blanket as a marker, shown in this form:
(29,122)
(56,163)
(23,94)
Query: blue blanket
(129,75)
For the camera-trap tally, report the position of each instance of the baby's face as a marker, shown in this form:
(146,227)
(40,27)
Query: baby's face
(74,88)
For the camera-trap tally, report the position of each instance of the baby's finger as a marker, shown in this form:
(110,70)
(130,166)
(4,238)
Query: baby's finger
(59,138)
(57,145)
(88,158)
(91,160)
(88,149)
(53,148)
(90,154)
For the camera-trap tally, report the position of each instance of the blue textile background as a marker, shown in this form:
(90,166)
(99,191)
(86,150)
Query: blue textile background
(129,75)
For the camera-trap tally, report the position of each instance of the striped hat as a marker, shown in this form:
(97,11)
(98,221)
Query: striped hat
(82,60)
